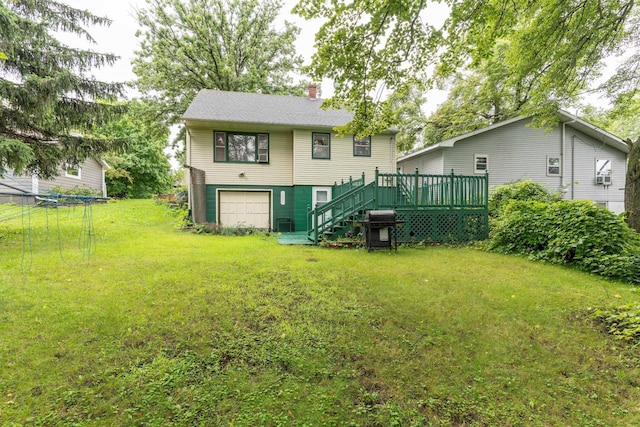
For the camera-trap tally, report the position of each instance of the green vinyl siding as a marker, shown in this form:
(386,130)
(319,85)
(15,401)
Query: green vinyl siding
(281,213)
(212,213)
(303,200)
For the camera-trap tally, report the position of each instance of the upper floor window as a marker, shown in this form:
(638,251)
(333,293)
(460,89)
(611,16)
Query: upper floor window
(73,172)
(362,146)
(480,163)
(553,166)
(321,145)
(241,147)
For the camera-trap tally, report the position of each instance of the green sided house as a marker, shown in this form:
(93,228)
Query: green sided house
(266,160)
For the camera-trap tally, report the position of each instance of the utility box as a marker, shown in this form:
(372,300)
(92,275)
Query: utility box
(380,229)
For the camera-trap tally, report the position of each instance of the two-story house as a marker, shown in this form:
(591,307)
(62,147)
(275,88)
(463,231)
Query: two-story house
(264,160)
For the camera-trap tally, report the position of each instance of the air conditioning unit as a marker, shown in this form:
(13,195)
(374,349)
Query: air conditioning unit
(263,158)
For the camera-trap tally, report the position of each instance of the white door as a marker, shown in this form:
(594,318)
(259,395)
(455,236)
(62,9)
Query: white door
(321,196)
(245,209)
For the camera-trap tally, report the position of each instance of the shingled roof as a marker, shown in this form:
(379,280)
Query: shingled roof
(239,107)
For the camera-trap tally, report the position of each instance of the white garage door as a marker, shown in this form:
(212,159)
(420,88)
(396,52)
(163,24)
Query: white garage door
(245,209)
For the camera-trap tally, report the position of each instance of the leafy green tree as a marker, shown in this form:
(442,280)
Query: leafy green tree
(141,169)
(189,45)
(480,97)
(409,117)
(556,48)
(49,102)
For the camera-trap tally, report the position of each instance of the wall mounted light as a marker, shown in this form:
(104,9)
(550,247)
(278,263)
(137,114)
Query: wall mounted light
(241,174)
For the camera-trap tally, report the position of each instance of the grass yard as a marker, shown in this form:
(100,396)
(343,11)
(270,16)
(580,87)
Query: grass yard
(163,328)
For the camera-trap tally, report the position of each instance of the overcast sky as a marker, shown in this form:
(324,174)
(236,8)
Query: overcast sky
(120,37)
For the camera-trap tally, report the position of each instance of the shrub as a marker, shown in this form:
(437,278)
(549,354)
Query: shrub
(75,191)
(622,322)
(576,232)
(521,190)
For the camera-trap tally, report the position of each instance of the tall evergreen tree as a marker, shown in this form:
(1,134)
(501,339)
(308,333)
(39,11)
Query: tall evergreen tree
(49,102)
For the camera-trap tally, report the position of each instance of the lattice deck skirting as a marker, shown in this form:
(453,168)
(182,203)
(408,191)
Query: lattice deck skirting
(442,225)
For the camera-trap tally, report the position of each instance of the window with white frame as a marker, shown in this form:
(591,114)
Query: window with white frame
(480,163)
(73,172)
(241,147)
(553,166)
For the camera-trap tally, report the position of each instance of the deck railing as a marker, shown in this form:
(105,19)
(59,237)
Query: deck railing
(342,208)
(403,192)
(397,190)
(346,186)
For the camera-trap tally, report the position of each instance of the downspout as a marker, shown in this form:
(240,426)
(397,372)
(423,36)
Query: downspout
(187,141)
(562,153)
(573,161)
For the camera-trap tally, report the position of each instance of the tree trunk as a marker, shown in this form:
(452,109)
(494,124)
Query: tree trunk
(632,186)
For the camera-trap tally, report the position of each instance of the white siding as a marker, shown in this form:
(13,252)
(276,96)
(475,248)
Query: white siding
(343,164)
(277,172)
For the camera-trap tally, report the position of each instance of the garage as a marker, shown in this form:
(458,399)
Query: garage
(245,209)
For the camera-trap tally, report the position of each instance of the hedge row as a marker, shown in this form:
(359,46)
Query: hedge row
(576,232)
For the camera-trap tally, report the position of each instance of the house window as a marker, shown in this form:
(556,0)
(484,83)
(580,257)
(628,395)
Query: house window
(553,166)
(480,163)
(603,171)
(362,146)
(220,148)
(321,145)
(73,172)
(241,147)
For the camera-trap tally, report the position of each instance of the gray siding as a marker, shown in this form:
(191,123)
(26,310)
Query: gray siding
(430,163)
(586,151)
(91,176)
(516,152)
(23,183)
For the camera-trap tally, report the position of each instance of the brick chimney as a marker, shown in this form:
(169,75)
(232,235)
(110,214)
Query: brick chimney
(313,91)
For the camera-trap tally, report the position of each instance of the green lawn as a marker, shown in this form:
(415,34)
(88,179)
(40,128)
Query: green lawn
(158,327)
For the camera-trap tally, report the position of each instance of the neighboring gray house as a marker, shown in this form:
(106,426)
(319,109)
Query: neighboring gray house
(89,174)
(578,158)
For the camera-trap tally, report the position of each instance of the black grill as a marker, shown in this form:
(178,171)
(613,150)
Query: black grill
(380,229)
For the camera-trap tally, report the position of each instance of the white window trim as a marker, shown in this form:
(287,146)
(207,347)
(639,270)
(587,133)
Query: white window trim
(68,175)
(475,163)
(559,166)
